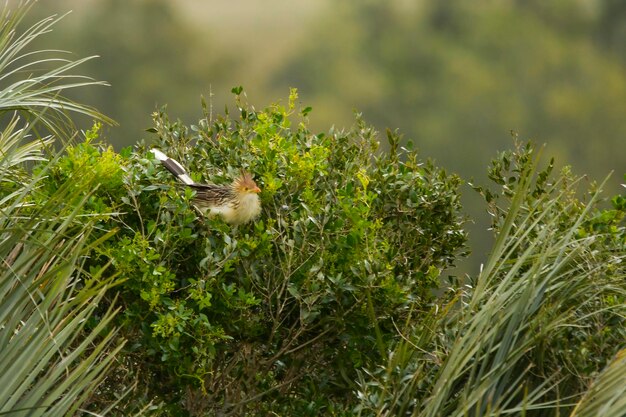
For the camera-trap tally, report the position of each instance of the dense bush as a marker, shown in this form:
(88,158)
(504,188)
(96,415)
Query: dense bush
(283,311)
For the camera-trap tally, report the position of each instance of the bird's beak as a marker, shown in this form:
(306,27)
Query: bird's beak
(256,190)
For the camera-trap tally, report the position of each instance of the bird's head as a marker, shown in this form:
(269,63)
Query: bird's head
(245,184)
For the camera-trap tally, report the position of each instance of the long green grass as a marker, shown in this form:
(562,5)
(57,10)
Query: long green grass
(53,352)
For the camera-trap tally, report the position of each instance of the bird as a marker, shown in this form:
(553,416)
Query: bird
(237,203)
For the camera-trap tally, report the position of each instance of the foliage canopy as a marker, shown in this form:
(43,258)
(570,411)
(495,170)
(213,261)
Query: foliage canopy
(351,241)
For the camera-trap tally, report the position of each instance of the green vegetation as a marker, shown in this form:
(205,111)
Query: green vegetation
(118,298)
(540,322)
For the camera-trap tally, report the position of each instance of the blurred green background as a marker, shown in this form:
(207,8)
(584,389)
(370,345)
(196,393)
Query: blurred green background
(455,77)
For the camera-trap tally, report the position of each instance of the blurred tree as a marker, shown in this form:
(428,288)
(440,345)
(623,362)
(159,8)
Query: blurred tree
(456,77)
(149,55)
(611,27)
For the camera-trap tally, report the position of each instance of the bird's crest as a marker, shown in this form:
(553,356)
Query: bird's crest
(245,184)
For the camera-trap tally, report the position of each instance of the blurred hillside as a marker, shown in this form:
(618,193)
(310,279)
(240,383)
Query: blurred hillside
(455,77)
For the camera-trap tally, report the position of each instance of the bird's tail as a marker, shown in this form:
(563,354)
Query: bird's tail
(173,166)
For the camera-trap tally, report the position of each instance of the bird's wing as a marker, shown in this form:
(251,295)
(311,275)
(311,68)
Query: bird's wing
(212,194)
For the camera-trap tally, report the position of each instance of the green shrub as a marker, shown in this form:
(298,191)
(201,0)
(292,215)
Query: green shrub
(280,313)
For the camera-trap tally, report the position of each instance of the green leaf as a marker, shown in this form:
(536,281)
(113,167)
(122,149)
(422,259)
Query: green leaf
(306,111)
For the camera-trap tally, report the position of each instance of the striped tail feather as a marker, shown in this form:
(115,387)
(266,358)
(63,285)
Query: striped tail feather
(173,166)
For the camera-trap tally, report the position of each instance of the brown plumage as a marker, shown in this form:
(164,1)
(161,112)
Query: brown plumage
(236,203)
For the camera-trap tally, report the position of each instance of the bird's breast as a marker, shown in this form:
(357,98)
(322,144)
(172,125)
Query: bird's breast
(249,208)
(243,210)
